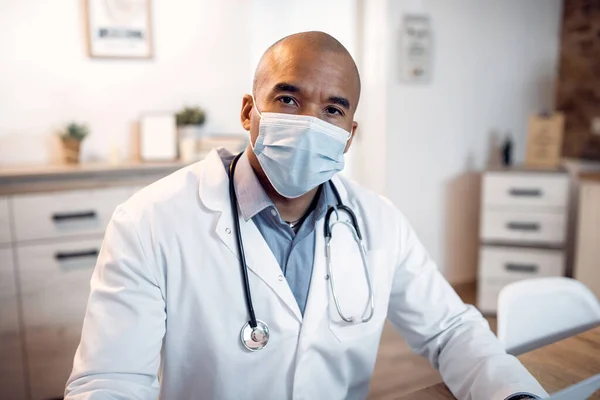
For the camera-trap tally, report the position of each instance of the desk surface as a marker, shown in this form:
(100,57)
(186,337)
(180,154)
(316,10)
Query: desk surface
(555,366)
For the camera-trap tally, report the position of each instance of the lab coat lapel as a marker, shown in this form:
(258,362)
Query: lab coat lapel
(262,262)
(318,294)
(214,194)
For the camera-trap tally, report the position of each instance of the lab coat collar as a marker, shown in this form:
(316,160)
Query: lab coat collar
(214,182)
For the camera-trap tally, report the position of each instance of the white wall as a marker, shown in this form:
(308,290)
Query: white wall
(201,57)
(271,20)
(495,62)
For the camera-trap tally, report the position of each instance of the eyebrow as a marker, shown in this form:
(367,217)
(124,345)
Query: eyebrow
(342,101)
(288,87)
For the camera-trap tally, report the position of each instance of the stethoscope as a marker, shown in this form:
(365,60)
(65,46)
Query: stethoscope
(255,333)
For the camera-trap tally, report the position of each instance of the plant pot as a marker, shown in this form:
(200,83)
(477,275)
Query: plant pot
(188,140)
(71,150)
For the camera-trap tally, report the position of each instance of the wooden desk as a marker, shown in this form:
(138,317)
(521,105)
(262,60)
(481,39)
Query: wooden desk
(555,366)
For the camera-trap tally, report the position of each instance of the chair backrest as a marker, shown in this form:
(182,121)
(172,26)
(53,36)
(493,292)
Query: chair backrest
(535,312)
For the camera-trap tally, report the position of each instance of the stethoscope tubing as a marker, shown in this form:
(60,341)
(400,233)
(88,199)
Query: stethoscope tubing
(240,246)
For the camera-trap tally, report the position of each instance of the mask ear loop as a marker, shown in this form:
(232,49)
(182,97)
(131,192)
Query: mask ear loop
(259,115)
(255,106)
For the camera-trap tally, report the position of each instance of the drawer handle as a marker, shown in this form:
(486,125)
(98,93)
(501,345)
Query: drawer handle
(62,256)
(525,192)
(74,216)
(532,268)
(523,226)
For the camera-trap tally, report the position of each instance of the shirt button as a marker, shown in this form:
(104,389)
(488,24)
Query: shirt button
(273,212)
(280,278)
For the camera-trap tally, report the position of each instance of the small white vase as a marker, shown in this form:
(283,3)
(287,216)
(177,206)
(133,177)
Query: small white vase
(188,139)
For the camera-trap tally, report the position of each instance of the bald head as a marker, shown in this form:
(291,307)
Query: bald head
(306,47)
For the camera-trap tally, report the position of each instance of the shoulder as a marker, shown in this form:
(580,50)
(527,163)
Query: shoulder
(175,191)
(381,221)
(368,200)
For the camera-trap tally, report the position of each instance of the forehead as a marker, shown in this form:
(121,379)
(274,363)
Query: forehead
(315,72)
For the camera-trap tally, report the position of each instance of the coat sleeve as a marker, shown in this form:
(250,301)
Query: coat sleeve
(454,337)
(119,353)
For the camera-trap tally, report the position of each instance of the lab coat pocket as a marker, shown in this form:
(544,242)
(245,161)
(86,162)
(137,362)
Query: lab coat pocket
(352,291)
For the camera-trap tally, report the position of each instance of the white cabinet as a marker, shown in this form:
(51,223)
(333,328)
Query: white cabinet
(522,230)
(57,240)
(12,377)
(52,223)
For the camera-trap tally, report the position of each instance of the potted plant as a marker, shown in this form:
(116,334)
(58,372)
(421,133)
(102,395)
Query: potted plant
(71,138)
(189,122)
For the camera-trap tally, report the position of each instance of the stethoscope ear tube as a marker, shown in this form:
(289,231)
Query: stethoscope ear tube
(342,207)
(242,256)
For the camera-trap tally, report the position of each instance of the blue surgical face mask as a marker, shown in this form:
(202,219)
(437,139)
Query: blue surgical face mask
(298,152)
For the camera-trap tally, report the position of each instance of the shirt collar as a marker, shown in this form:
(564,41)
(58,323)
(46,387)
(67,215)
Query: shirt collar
(251,196)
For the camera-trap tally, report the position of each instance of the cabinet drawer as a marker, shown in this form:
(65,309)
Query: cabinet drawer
(63,214)
(12,373)
(523,227)
(55,281)
(54,292)
(525,190)
(5,234)
(50,352)
(505,262)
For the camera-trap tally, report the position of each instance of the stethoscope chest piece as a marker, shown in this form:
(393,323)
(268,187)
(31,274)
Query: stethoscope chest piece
(255,338)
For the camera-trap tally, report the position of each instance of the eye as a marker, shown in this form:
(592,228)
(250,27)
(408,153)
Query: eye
(287,100)
(333,111)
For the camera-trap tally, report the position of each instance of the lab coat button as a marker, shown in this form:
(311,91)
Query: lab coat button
(228,231)
(280,278)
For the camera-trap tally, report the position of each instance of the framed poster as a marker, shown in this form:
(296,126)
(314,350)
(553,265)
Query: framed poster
(119,28)
(416,46)
(544,140)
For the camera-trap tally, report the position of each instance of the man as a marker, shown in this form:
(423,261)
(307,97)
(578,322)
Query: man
(168,296)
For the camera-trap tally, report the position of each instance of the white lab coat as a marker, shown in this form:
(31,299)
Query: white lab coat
(167,304)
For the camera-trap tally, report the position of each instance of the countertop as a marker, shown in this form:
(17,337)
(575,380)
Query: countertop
(590,176)
(41,178)
(556,366)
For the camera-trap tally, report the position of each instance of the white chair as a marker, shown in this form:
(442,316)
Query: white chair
(535,312)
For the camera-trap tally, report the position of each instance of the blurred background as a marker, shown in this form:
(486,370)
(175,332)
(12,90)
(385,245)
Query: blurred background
(480,120)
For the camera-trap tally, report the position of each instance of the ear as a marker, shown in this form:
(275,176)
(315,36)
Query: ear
(354,129)
(245,115)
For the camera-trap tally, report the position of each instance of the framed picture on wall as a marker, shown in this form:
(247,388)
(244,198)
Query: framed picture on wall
(119,28)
